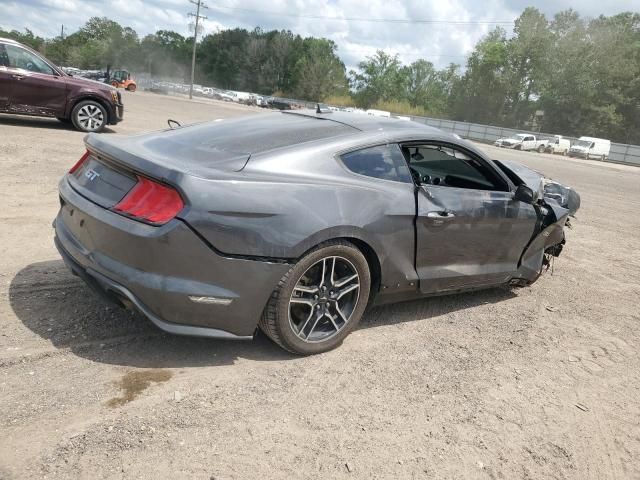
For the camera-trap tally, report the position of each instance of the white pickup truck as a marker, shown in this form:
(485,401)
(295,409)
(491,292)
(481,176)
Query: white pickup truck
(522,141)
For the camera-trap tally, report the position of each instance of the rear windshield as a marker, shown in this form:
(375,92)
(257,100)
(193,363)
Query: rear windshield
(255,134)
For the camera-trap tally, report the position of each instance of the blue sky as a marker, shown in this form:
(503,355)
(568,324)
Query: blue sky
(440,43)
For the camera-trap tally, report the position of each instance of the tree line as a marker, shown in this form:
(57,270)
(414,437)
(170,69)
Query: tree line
(568,74)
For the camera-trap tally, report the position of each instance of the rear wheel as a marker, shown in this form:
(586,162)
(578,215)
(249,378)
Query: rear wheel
(89,116)
(131,88)
(320,300)
(541,149)
(114,84)
(518,147)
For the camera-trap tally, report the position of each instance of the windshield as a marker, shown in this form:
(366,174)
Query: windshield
(584,143)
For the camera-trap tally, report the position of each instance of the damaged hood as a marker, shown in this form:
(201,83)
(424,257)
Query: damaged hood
(545,187)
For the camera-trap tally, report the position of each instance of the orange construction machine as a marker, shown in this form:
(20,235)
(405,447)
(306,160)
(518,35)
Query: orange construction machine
(122,79)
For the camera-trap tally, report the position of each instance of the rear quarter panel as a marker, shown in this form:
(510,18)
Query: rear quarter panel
(284,205)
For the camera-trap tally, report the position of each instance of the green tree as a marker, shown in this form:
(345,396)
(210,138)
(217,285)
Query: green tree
(28,38)
(380,78)
(319,72)
(481,93)
(528,55)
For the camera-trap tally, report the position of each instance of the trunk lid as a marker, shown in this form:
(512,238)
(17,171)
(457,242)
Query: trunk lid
(101,181)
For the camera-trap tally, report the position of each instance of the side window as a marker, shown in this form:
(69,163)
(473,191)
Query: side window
(4,59)
(20,58)
(528,139)
(449,167)
(384,161)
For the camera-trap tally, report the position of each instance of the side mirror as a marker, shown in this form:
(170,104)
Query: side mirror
(524,194)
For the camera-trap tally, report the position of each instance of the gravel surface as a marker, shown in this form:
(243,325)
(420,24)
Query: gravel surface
(540,382)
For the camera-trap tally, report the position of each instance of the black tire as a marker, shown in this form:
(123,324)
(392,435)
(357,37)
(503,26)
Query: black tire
(541,149)
(275,321)
(518,147)
(81,112)
(131,88)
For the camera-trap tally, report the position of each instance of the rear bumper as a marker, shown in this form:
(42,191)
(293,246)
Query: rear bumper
(165,272)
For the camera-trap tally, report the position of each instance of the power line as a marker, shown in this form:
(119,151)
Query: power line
(199,4)
(372,20)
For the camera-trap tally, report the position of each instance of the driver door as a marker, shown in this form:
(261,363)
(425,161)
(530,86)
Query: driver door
(470,230)
(529,143)
(36,89)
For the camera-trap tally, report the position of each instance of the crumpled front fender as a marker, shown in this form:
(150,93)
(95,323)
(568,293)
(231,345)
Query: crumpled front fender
(532,258)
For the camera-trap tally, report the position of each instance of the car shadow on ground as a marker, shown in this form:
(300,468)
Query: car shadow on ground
(60,308)
(40,122)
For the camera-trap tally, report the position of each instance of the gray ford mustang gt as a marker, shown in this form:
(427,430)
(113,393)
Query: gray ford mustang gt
(295,222)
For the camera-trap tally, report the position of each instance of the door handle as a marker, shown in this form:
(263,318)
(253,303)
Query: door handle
(442,215)
(17,77)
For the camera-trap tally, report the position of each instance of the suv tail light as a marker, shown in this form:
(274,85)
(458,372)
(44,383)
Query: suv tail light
(79,162)
(150,202)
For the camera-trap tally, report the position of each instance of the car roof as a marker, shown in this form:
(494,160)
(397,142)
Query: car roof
(9,40)
(362,122)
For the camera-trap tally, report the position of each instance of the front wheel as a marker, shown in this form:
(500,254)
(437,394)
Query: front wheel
(131,88)
(541,149)
(320,300)
(89,116)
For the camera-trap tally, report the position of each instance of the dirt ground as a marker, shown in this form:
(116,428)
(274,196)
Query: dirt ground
(540,382)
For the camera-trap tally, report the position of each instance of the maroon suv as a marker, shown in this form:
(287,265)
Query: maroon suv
(32,85)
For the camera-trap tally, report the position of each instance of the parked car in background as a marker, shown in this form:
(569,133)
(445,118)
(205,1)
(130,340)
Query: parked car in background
(243,97)
(297,221)
(32,85)
(522,141)
(590,147)
(226,97)
(278,104)
(557,144)
(378,113)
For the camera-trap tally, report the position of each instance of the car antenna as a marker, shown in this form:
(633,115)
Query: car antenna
(171,122)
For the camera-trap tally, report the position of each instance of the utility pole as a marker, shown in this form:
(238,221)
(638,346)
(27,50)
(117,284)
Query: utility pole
(62,32)
(199,4)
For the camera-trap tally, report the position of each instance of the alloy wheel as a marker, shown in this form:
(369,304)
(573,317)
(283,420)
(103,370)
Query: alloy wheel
(90,117)
(324,299)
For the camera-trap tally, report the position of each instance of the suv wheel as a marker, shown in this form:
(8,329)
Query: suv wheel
(320,300)
(89,116)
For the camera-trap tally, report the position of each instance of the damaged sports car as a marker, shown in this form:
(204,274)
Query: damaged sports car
(296,222)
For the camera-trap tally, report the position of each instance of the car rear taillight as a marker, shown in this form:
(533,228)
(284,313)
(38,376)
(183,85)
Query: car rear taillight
(150,202)
(79,162)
